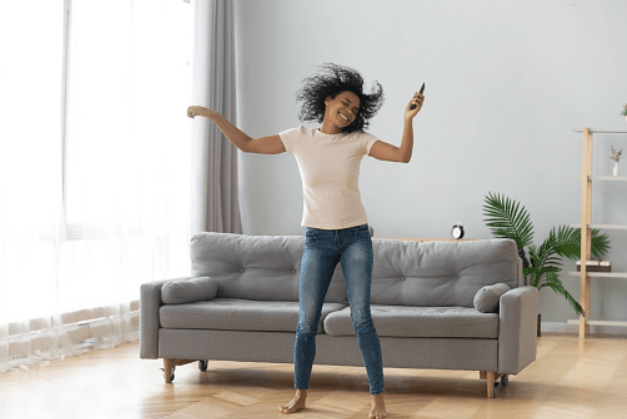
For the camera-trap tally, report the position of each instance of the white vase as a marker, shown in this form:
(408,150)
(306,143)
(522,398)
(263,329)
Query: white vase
(616,169)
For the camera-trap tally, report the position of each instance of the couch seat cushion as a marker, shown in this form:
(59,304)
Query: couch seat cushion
(236,314)
(424,322)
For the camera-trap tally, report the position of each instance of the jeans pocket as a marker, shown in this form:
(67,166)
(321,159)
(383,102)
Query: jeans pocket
(362,232)
(310,236)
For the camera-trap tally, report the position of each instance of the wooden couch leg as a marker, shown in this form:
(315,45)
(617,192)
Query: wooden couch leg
(491,377)
(169,366)
(168,369)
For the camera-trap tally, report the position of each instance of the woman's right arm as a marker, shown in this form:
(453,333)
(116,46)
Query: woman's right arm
(271,144)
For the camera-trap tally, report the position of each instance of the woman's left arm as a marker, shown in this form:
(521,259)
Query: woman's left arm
(384,151)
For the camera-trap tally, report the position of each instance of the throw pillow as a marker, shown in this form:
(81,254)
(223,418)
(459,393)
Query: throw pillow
(188,291)
(487,298)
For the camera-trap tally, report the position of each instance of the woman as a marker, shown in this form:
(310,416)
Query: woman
(333,214)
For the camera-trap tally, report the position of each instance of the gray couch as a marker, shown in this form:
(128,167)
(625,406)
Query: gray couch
(241,304)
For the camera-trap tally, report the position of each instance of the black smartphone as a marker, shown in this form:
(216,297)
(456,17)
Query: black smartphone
(422,90)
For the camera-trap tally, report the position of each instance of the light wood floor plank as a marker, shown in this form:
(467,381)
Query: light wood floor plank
(571,379)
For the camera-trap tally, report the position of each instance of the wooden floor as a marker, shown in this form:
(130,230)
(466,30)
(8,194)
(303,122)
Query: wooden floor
(569,380)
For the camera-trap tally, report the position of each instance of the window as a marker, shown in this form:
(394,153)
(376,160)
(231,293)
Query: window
(94,151)
(129,83)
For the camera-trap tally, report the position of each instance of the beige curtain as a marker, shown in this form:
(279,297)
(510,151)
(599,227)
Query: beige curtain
(215,204)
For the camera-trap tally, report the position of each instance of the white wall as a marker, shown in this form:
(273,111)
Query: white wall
(507,81)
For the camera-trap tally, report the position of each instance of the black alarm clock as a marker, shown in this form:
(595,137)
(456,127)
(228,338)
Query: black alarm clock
(458,231)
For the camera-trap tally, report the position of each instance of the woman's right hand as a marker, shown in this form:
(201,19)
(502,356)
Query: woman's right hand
(193,111)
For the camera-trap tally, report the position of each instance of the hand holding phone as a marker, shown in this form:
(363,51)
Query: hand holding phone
(422,90)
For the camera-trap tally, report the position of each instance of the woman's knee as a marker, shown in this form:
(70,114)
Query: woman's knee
(307,321)
(306,328)
(362,319)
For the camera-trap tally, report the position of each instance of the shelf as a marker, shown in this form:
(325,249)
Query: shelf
(605,226)
(601,131)
(609,226)
(601,322)
(609,178)
(601,274)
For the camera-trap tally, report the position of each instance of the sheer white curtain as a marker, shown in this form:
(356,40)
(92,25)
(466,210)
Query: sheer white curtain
(95,172)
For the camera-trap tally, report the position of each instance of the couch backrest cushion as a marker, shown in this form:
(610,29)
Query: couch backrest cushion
(256,267)
(441,273)
(428,274)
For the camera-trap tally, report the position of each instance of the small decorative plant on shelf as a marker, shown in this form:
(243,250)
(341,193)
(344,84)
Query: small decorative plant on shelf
(616,158)
(506,218)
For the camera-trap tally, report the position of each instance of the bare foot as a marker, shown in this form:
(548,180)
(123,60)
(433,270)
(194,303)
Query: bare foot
(378,407)
(297,403)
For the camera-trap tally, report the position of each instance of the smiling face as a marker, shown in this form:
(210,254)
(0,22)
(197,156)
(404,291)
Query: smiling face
(342,111)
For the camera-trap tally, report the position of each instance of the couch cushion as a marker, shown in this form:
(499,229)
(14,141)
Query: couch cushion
(188,290)
(441,274)
(420,274)
(237,314)
(263,268)
(487,298)
(419,322)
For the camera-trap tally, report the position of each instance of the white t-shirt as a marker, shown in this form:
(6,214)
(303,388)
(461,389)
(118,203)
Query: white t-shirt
(329,169)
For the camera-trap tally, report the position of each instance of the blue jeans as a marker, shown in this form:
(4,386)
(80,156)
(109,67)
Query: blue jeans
(323,250)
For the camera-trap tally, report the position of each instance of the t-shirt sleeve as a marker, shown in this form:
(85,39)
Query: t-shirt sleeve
(289,138)
(367,140)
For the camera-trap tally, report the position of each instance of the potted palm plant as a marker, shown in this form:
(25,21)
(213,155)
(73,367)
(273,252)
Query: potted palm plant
(506,218)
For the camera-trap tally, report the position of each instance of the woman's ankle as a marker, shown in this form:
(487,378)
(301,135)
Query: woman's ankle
(378,400)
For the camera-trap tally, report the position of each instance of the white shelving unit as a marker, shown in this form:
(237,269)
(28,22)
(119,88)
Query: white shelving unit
(586,221)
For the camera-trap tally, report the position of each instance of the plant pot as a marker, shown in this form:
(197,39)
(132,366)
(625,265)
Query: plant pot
(616,169)
(539,322)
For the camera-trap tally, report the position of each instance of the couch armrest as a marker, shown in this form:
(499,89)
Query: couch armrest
(150,302)
(518,329)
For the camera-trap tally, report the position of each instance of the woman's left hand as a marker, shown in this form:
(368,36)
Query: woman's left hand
(417,100)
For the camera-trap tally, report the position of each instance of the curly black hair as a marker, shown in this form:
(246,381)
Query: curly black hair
(334,80)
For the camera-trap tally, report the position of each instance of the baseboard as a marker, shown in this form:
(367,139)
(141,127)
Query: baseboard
(563,327)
